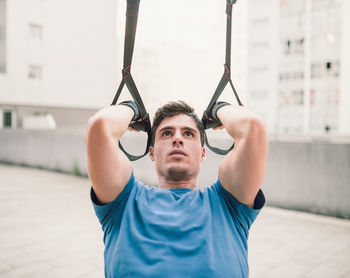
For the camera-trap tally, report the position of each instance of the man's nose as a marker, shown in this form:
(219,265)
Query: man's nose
(177,139)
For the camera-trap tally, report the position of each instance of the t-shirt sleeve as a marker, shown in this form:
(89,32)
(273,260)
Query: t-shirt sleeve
(244,214)
(110,215)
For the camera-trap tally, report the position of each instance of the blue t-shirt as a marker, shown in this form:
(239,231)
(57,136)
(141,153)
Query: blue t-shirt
(155,232)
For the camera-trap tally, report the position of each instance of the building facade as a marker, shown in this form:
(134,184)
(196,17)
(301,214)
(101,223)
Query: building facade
(69,54)
(298,65)
(289,62)
(56,54)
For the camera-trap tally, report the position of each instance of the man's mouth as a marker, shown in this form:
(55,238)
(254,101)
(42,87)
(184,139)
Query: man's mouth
(177,152)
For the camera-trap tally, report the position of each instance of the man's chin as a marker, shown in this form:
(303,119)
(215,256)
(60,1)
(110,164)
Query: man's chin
(178,174)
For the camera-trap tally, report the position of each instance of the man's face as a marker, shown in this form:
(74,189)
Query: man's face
(177,149)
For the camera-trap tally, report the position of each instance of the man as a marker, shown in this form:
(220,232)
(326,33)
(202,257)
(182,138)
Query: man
(176,230)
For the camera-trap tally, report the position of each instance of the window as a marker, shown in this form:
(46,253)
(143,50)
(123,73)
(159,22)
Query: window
(34,72)
(298,97)
(287,47)
(325,69)
(35,31)
(7,119)
(295,46)
(291,98)
(291,76)
(299,45)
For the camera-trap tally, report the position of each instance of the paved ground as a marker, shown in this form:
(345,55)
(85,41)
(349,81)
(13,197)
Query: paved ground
(48,229)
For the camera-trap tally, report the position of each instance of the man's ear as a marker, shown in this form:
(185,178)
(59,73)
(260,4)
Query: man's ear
(151,153)
(203,155)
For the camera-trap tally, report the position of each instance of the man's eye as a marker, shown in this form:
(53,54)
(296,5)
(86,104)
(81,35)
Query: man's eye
(166,133)
(188,134)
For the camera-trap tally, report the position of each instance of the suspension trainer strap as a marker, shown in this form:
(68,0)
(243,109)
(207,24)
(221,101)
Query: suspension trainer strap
(144,124)
(226,78)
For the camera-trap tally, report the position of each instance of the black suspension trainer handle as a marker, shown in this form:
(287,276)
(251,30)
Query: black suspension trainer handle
(144,124)
(226,78)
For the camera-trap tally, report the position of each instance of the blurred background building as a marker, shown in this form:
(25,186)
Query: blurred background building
(60,61)
(57,57)
(297,66)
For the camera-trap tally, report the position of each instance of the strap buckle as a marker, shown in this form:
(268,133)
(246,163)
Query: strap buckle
(130,33)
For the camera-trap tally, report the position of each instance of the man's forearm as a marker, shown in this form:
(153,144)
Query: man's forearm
(239,121)
(113,119)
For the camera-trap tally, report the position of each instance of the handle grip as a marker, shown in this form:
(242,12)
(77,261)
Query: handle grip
(208,122)
(142,125)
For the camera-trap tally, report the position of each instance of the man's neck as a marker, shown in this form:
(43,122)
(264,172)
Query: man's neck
(172,184)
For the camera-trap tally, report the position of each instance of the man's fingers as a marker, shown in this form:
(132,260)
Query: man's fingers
(130,128)
(218,127)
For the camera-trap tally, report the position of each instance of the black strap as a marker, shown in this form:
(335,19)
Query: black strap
(226,78)
(132,11)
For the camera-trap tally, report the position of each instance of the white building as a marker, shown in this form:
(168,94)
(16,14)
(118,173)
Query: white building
(298,68)
(56,54)
(289,62)
(69,54)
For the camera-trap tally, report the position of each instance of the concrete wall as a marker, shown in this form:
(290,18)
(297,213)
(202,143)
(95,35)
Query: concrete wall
(309,175)
(54,150)
(65,117)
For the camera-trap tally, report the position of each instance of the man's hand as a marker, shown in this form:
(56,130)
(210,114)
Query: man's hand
(214,111)
(216,107)
(210,119)
(219,127)
(134,107)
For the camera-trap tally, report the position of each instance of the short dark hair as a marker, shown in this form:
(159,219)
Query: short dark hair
(174,108)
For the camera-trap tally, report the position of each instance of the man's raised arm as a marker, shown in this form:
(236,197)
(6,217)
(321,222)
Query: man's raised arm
(108,167)
(242,170)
